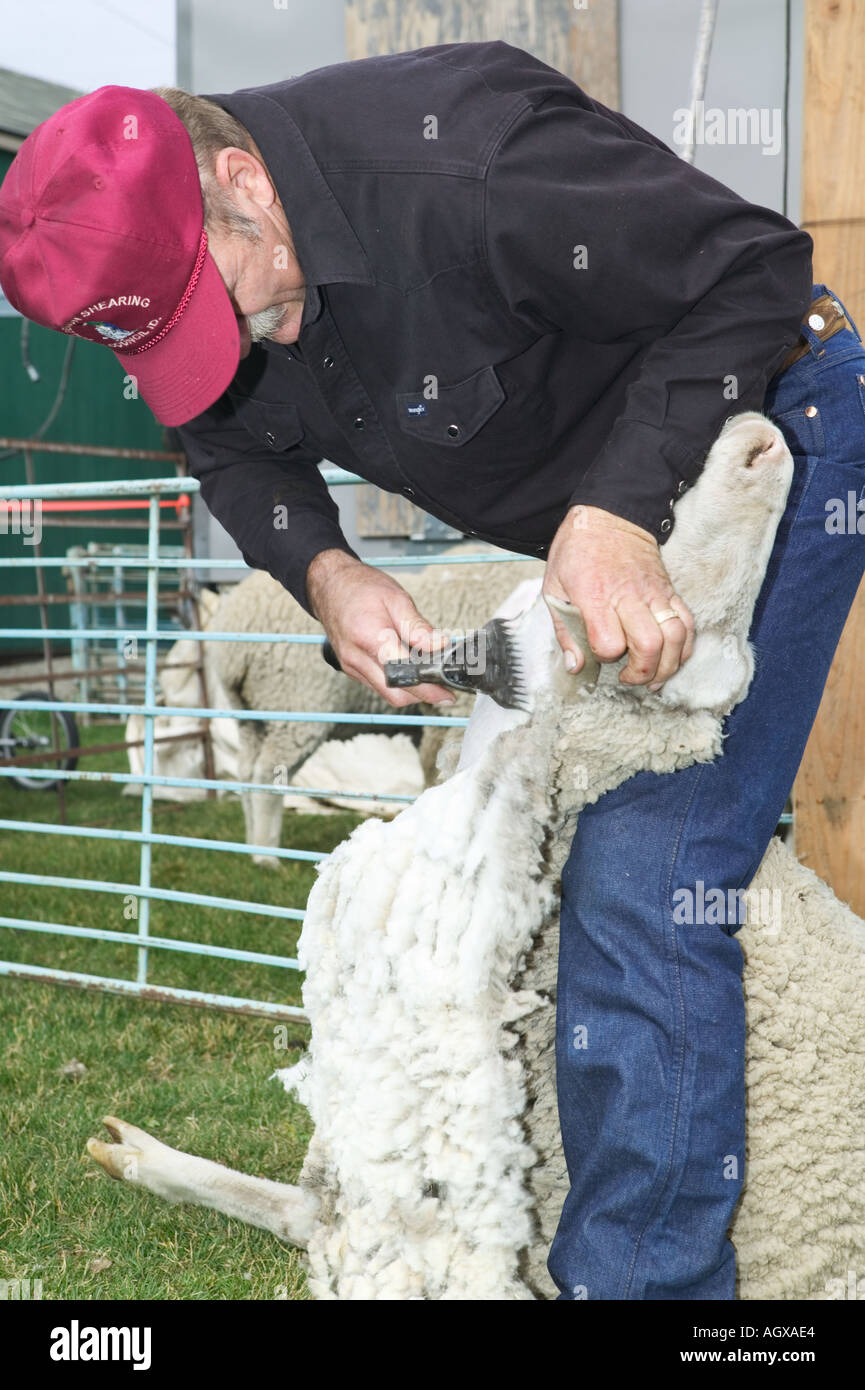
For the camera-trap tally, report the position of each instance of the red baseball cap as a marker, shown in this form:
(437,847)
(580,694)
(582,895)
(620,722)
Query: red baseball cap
(102,235)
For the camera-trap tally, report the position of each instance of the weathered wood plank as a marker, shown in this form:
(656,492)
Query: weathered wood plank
(829,796)
(578,39)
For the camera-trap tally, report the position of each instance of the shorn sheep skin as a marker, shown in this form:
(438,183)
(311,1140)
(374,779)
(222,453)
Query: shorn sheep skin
(435,1169)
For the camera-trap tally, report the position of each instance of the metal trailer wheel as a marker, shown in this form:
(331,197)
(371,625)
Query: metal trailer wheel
(25,731)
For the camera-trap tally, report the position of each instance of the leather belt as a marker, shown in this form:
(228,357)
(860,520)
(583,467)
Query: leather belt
(825,318)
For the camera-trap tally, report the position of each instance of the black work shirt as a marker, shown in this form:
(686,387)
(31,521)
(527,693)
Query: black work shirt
(517,300)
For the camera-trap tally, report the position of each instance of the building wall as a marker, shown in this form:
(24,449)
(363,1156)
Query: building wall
(746,69)
(223,45)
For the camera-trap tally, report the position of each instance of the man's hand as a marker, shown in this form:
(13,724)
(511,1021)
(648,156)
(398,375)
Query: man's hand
(370,619)
(613,572)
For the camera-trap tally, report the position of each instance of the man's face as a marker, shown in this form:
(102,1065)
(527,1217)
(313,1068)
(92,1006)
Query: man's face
(263,278)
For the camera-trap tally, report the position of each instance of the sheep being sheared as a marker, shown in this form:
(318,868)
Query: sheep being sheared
(291,675)
(435,1168)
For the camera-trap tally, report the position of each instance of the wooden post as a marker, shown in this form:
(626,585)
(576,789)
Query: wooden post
(829,795)
(579,39)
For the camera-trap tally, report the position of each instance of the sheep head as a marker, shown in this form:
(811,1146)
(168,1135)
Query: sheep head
(716,558)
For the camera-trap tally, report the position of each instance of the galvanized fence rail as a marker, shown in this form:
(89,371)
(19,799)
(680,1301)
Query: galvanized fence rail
(144,890)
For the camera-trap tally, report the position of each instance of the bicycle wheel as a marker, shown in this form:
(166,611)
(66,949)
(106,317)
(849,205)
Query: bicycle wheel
(24,731)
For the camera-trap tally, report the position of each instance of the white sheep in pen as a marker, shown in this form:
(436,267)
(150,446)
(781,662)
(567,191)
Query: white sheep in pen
(435,1170)
(293,676)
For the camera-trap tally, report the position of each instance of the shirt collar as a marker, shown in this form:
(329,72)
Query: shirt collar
(311,305)
(327,248)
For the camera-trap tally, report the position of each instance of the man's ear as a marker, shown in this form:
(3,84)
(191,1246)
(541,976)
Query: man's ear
(241,173)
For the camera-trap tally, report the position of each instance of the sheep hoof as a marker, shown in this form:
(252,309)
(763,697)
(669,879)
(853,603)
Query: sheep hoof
(120,1159)
(265,861)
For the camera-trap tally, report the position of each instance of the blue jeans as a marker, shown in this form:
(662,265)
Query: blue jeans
(652,1095)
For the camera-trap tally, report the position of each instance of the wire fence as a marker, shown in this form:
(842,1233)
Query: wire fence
(153,563)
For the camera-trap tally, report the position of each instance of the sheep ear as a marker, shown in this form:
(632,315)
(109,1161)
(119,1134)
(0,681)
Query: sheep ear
(572,619)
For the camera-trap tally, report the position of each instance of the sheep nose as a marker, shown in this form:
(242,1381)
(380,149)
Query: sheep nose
(767,447)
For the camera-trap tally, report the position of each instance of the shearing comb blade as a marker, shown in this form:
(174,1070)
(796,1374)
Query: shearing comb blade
(485,661)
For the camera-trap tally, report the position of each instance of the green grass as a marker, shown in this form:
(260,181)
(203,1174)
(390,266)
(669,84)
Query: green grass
(197,1079)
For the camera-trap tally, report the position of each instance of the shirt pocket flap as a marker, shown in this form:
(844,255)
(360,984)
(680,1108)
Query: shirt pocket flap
(278,426)
(456,413)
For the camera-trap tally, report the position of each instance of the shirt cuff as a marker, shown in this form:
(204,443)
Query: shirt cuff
(639,476)
(289,563)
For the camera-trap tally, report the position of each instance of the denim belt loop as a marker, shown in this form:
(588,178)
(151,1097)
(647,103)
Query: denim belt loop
(816,292)
(815,342)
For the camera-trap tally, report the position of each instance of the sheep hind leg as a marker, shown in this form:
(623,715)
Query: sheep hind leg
(287,1211)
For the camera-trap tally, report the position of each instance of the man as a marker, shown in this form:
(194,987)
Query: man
(456,274)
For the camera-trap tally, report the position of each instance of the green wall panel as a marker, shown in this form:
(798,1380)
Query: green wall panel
(94,411)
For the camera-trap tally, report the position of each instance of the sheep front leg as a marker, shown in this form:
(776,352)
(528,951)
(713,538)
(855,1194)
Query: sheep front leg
(250,742)
(287,1211)
(262,811)
(284,749)
(265,825)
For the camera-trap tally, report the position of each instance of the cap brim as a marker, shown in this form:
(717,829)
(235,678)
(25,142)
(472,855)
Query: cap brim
(189,369)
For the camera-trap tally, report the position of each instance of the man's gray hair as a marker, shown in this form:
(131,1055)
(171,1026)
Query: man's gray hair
(211,129)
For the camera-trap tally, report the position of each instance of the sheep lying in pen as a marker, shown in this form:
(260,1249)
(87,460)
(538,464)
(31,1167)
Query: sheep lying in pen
(285,676)
(435,1169)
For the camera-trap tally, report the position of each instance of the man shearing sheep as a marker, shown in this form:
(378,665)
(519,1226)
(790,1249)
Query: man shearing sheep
(456,274)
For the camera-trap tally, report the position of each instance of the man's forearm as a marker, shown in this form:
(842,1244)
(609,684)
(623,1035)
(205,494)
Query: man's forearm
(322,568)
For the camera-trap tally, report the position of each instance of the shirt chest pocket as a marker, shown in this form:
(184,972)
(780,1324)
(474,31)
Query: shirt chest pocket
(490,417)
(276,425)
